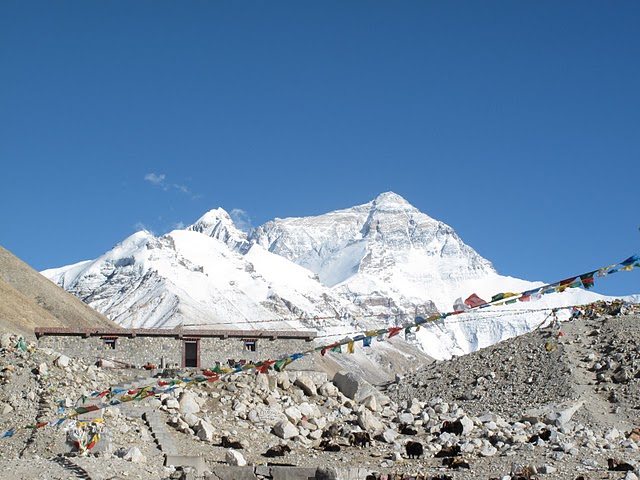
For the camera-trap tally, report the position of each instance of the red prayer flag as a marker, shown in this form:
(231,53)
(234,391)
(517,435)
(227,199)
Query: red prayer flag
(393,331)
(474,301)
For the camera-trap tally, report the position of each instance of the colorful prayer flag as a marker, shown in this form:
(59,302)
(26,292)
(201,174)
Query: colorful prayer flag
(474,301)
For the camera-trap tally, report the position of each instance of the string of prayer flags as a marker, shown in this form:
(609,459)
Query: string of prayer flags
(473,302)
(585,280)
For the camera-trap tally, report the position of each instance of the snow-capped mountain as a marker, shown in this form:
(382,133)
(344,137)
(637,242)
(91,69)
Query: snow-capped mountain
(385,252)
(340,272)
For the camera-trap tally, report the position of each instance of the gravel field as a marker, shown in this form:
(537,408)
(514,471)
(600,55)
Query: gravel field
(558,403)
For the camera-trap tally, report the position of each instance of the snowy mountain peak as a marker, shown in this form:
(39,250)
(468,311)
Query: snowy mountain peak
(218,224)
(390,201)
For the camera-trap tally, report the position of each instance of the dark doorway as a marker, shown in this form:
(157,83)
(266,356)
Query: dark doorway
(191,353)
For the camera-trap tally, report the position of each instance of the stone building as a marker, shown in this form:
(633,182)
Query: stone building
(179,347)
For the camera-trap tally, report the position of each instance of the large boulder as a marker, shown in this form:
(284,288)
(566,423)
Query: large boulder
(306,385)
(204,430)
(62,361)
(233,457)
(294,414)
(285,429)
(369,422)
(357,389)
(188,403)
(262,414)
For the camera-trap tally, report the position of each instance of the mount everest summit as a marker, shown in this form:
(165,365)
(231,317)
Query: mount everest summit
(368,266)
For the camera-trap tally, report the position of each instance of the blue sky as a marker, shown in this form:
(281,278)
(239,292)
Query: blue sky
(517,123)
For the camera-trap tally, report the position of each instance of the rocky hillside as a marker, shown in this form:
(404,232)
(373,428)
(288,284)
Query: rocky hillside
(28,300)
(558,403)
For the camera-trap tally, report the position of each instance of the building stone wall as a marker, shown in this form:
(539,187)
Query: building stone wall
(168,350)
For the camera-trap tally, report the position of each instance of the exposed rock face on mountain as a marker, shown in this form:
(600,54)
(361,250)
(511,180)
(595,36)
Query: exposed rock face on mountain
(28,300)
(218,224)
(385,247)
(369,266)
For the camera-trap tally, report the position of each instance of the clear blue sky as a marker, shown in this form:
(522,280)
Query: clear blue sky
(517,123)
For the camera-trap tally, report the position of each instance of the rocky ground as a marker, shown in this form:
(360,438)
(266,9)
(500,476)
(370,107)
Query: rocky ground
(557,403)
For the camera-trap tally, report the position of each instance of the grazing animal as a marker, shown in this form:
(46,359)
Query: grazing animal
(452,427)
(226,442)
(455,463)
(407,430)
(414,449)
(617,466)
(360,439)
(277,451)
(329,446)
(452,451)
(543,435)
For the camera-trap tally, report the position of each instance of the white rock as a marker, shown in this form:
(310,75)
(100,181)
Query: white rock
(205,430)
(488,451)
(293,414)
(188,403)
(283,380)
(191,419)
(406,418)
(309,410)
(415,407)
(134,455)
(233,457)
(285,429)
(369,422)
(441,408)
(319,422)
(389,435)
(371,403)
(262,382)
(328,389)
(612,435)
(467,425)
(307,385)
(62,361)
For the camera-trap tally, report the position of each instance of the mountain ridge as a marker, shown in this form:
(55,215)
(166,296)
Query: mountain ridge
(28,300)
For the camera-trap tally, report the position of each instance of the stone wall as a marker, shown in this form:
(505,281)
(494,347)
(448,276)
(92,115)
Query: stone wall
(169,350)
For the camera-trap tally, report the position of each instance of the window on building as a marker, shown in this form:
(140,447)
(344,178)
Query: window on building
(109,342)
(250,344)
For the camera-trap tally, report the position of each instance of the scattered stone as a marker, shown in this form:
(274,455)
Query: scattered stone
(235,458)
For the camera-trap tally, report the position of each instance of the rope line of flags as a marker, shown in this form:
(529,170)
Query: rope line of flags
(115,396)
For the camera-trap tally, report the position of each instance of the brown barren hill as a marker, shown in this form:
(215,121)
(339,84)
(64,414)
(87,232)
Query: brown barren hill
(29,300)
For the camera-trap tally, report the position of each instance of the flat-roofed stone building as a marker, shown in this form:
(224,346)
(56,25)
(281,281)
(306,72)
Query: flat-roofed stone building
(179,347)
